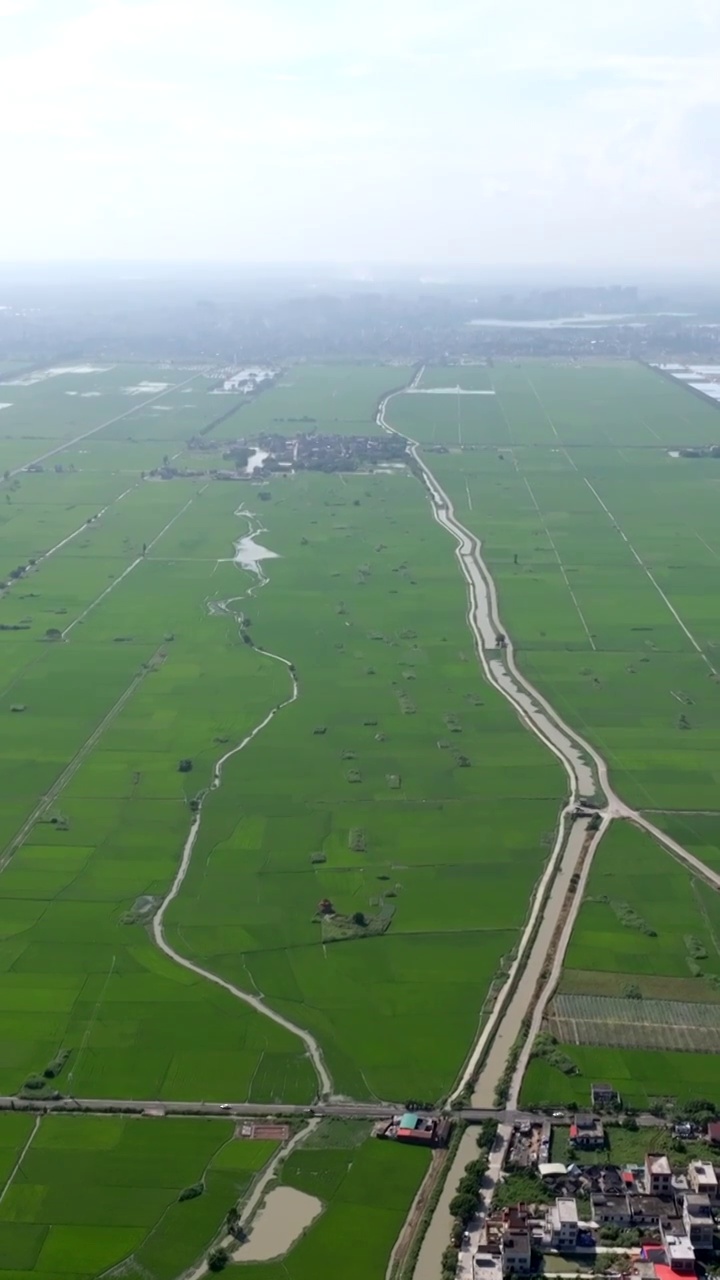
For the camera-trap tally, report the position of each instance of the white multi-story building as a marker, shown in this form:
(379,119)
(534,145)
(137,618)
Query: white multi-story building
(562,1224)
(698,1221)
(658,1175)
(703,1179)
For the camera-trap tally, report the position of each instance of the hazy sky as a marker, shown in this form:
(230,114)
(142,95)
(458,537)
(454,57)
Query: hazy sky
(506,131)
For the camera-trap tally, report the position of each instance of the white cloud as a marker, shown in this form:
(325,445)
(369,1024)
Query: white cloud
(401,128)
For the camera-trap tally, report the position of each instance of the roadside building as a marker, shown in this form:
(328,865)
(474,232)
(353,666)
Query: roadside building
(562,1224)
(653,1264)
(587,1133)
(679,1253)
(603,1095)
(658,1175)
(412,1128)
(653,1211)
(516,1252)
(515,1217)
(611,1211)
(427,1131)
(698,1221)
(703,1179)
(508,1237)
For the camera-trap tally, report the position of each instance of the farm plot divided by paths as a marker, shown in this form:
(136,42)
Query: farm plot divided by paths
(122,656)
(605,568)
(364,863)
(398,784)
(80,1195)
(604,551)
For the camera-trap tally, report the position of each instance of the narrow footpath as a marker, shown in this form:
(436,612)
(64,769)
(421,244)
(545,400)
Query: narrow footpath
(158,923)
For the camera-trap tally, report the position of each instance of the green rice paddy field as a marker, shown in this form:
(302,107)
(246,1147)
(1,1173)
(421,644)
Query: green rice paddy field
(366,1188)
(606,553)
(397,784)
(570,472)
(649,929)
(425,798)
(83,1194)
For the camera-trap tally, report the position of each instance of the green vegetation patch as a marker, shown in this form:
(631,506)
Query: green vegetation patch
(625,1145)
(367,1190)
(627,1011)
(92,1192)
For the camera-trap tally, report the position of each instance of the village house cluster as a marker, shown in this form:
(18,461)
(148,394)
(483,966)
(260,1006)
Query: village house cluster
(646,1221)
(675,1212)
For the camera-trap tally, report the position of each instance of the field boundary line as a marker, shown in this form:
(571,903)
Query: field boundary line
(68,444)
(16,1167)
(73,765)
(551,540)
(555,431)
(91,1024)
(38,560)
(707,544)
(651,576)
(138,560)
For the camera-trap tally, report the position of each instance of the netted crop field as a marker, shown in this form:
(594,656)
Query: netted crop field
(635,1024)
(638,996)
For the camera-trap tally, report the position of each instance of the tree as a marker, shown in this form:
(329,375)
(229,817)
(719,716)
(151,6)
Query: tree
(456,1233)
(218,1259)
(359,919)
(449,1261)
(698,1110)
(487,1133)
(464,1206)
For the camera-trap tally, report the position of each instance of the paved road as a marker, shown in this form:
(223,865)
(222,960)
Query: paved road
(344,1110)
(143,1106)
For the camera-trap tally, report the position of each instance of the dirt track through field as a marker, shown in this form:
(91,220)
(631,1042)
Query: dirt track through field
(312,1046)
